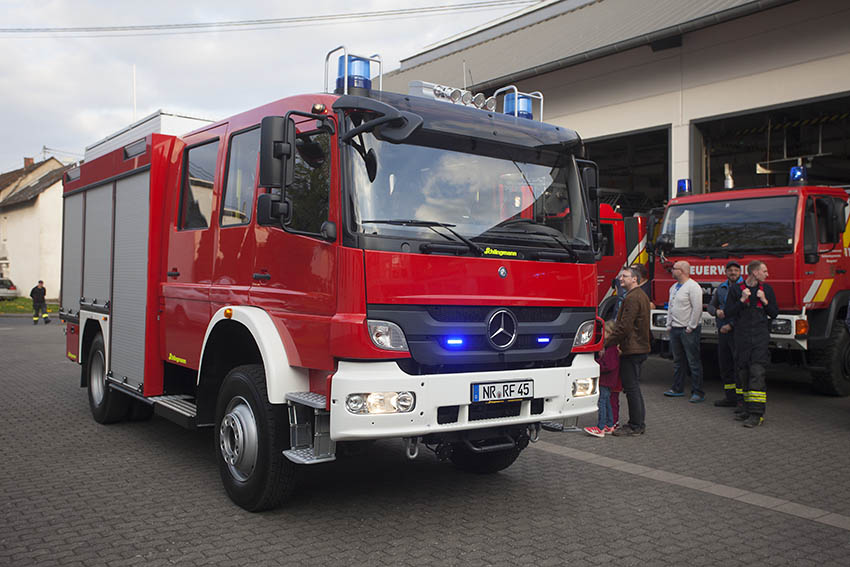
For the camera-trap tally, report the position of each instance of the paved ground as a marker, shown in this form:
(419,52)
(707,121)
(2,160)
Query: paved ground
(697,489)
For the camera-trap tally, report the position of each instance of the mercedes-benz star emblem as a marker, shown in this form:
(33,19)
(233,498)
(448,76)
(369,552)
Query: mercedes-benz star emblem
(503,272)
(501,329)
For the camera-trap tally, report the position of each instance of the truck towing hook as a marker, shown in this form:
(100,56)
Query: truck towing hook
(534,432)
(411,447)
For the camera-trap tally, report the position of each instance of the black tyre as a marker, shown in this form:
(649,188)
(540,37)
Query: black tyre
(107,405)
(835,358)
(250,436)
(467,460)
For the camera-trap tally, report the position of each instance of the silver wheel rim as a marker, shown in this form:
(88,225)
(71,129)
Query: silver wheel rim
(97,378)
(238,438)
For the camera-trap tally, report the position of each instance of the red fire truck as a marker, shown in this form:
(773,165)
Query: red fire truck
(623,243)
(334,268)
(801,233)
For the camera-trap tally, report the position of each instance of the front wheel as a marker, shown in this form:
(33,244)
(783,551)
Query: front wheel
(834,380)
(107,405)
(468,460)
(250,436)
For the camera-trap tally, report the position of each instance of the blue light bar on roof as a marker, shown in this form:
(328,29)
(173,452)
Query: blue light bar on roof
(683,187)
(523,109)
(798,175)
(358,73)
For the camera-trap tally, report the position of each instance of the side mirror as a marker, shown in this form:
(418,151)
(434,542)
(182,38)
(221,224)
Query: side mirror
(329,231)
(664,243)
(277,151)
(835,224)
(272,210)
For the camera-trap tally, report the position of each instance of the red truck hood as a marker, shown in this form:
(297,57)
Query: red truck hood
(418,279)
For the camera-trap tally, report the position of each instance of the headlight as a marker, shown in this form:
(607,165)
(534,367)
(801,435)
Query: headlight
(381,402)
(780,326)
(659,320)
(585,334)
(584,387)
(387,336)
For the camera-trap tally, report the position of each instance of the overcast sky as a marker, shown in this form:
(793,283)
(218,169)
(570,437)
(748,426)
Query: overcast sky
(69,92)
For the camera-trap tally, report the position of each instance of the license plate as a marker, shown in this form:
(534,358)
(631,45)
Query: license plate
(501,391)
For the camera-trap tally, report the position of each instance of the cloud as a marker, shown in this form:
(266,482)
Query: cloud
(67,93)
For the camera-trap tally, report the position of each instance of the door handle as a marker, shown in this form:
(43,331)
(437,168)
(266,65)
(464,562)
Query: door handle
(840,271)
(173,274)
(262,276)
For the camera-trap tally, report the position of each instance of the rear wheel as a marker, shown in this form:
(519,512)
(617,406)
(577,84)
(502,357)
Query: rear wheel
(468,460)
(834,380)
(250,436)
(107,405)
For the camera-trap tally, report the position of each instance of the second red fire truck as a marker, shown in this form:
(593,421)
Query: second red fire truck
(339,267)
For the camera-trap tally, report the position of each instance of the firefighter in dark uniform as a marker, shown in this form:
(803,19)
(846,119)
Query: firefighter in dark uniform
(732,389)
(38,304)
(751,305)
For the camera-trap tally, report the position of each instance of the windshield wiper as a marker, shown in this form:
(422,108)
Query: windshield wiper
(429,224)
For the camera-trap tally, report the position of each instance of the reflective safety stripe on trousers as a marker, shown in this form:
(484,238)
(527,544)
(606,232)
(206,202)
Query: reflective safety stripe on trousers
(754,396)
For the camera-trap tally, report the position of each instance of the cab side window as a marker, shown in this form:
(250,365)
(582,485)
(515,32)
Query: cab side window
(810,228)
(310,190)
(197,191)
(607,239)
(238,199)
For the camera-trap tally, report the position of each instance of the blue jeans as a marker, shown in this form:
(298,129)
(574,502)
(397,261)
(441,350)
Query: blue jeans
(685,347)
(606,414)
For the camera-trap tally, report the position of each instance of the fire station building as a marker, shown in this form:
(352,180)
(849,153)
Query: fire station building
(722,92)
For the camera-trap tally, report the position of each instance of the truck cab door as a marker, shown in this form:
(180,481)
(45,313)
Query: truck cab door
(191,247)
(295,267)
(822,252)
(234,260)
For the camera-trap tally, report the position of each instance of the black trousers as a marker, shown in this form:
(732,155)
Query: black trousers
(732,388)
(630,365)
(39,308)
(752,360)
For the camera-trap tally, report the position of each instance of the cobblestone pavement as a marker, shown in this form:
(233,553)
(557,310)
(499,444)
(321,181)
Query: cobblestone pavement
(697,489)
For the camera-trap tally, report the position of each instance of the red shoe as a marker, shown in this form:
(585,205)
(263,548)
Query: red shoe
(608,429)
(595,431)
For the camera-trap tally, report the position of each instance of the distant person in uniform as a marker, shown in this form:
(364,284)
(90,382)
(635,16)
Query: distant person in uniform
(38,304)
(732,388)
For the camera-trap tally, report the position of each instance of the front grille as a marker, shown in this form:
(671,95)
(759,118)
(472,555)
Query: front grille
(474,314)
(478,412)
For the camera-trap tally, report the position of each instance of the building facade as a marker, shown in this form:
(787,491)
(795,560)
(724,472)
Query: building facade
(722,92)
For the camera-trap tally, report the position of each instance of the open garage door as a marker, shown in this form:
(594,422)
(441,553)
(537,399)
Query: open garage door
(634,171)
(757,149)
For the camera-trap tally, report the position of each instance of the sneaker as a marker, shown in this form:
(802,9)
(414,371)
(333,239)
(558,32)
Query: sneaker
(673,394)
(754,421)
(552,426)
(724,403)
(595,431)
(743,416)
(696,398)
(627,431)
(608,429)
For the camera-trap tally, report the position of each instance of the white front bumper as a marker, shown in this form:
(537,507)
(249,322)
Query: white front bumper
(554,385)
(709,331)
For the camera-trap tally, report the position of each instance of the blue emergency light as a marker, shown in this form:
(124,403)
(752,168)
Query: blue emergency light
(523,108)
(683,187)
(454,342)
(543,340)
(798,175)
(358,73)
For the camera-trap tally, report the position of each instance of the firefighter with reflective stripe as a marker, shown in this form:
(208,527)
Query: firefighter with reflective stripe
(751,305)
(732,388)
(38,303)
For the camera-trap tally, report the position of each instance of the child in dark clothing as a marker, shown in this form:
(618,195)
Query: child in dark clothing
(609,382)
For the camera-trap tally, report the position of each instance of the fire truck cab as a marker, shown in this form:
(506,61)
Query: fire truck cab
(801,233)
(339,267)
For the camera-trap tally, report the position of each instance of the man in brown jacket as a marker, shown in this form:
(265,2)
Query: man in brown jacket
(631,333)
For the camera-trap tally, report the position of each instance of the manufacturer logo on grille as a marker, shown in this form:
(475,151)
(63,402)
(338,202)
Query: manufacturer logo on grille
(502,329)
(503,272)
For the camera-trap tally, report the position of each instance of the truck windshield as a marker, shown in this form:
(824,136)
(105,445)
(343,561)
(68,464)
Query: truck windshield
(723,227)
(468,195)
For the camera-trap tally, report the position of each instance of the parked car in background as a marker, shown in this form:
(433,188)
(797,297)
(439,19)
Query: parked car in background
(8,290)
